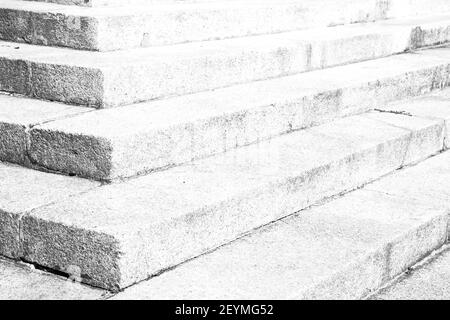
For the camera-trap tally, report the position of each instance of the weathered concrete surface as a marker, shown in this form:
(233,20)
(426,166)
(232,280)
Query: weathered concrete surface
(18,116)
(341,250)
(410,7)
(19,281)
(433,106)
(428,281)
(47,24)
(169,22)
(22,190)
(117,3)
(122,233)
(108,79)
(427,135)
(122,142)
(427,181)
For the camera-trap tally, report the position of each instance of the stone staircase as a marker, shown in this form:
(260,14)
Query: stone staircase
(137,135)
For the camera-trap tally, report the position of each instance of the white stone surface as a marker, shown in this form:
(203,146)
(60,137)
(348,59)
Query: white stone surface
(427,135)
(341,250)
(22,190)
(172,22)
(122,142)
(122,3)
(427,181)
(165,22)
(108,79)
(19,281)
(18,115)
(397,7)
(168,22)
(433,106)
(122,233)
(428,281)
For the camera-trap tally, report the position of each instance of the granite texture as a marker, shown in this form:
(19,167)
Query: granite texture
(343,249)
(110,79)
(23,190)
(123,142)
(17,116)
(428,281)
(187,210)
(167,22)
(433,106)
(19,281)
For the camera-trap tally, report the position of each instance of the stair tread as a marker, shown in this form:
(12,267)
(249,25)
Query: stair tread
(427,281)
(146,7)
(107,28)
(131,140)
(20,281)
(124,3)
(239,129)
(44,54)
(141,9)
(24,190)
(342,249)
(31,112)
(109,79)
(212,104)
(433,105)
(216,199)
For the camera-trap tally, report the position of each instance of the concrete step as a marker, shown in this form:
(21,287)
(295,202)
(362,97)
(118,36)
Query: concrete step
(18,115)
(124,3)
(399,7)
(108,79)
(107,29)
(429,280)
(24,190)
(123,142)
(344,249)
(120,234)
(432,106)
(21,281)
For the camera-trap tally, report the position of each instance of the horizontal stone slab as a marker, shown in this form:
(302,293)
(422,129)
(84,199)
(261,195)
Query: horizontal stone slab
(344,249)
(427,281)
(17,116)
(23,190)
(121,3)
(425,181)
(20,281)
(169,22)
(432,106)
(122,233)
(128,141)
(395,7)
(109,79)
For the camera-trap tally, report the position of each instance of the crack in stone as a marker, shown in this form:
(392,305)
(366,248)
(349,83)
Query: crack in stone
(404,113)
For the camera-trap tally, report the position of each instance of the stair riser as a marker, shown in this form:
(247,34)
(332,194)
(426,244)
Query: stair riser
(344,248)
(374,271)
(195,23)
(9,236)
(115,3)
(48,29)
(76,85)
(177,25)
(121,84)
(180,239)
(24,190)
(113,158)
(13,143)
